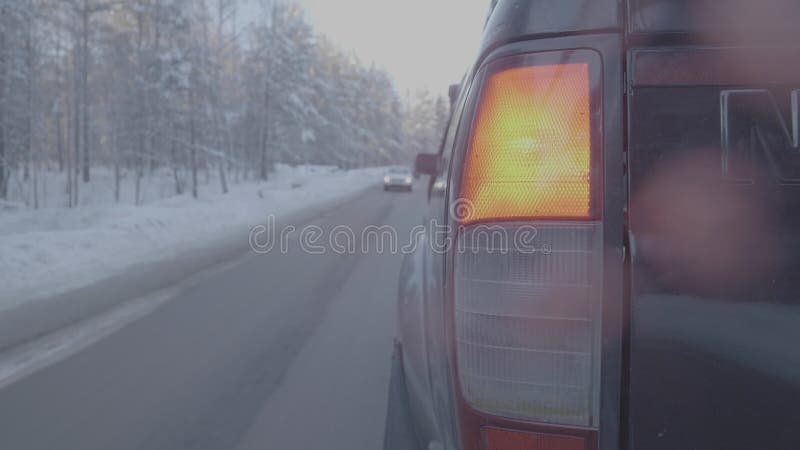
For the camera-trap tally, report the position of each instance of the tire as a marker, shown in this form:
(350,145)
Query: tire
(399,433)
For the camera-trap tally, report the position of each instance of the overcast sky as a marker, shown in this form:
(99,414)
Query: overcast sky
(424,44)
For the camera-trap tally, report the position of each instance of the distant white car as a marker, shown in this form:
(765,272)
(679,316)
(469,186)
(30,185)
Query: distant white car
(398,178)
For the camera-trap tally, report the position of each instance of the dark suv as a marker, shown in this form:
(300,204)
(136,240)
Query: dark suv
(612,254)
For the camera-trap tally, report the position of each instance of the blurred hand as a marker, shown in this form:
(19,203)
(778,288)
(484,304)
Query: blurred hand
(699,234)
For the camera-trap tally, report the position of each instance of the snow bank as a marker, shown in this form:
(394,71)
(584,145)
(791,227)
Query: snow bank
(53,250)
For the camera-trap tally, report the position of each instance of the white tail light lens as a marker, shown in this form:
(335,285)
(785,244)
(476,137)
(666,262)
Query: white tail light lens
(527,321)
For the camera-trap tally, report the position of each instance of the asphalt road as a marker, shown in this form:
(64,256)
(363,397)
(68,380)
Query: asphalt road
(275,351)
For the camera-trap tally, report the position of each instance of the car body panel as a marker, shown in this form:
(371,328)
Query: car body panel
(709,362)
(639,348)
(413,335)
(515,20)
(433,314)
(745,18)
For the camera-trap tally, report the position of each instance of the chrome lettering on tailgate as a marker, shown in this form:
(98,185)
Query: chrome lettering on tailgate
(752,121)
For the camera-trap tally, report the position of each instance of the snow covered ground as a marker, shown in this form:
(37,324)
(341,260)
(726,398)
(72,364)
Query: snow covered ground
(55,249)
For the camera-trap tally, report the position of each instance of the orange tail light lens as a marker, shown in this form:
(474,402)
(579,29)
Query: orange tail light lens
(530,153)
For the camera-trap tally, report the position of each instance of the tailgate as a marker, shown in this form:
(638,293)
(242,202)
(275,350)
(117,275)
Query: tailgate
(714,173)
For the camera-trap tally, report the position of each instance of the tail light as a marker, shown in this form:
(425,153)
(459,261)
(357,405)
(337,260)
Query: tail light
(527,270)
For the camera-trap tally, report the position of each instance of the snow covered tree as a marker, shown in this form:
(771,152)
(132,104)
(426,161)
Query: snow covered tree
(142,86)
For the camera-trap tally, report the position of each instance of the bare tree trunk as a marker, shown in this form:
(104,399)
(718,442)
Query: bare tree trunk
(115,149)
(75,184)
(265,134)
(142,132)
(3,178)
(138,192)
(59,111)
(177,179)
(173,156)
(28,100)
(85,89)
(263,162)
(60,140)
(116,179)
(192,143)
(69,150)
(140,163)
(156,128)
(3,72)
(76,125)
(35,184)
(222,178)
(152,150)
(221,121)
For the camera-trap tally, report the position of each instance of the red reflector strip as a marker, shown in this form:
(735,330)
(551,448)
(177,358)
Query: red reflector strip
(500,439)
(530,150)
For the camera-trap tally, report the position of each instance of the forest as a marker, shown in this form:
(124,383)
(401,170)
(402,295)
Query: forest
(191,88)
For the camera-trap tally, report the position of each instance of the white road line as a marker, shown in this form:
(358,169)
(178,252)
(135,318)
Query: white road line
(24,360)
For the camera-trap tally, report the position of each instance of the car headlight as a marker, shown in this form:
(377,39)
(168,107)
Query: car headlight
(408,180)
(386,179)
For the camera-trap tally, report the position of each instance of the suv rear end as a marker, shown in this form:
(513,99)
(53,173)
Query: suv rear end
(619,266)
(714,303)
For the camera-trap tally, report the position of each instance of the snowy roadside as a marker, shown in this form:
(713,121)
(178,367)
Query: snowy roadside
(47,252)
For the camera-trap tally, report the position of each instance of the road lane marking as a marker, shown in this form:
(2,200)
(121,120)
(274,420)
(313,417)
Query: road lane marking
(27,359)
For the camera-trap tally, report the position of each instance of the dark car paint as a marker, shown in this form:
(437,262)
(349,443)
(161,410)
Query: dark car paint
(423,312)
(711,367)
(662,360)
(516,20)
(670,16)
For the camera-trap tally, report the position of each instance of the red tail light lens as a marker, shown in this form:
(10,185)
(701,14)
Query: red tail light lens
(526,312)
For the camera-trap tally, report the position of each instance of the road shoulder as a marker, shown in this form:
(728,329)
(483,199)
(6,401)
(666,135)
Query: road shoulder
(37,317)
